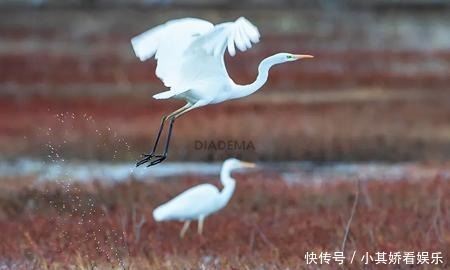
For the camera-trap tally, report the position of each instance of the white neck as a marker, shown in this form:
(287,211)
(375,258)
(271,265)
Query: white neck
(228,185)
(263,73)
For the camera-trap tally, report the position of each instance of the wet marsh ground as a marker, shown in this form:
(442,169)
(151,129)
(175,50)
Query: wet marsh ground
(269,223)
(71,88)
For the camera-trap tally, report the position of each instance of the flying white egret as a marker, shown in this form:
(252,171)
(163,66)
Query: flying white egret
(200,201)
(190,61)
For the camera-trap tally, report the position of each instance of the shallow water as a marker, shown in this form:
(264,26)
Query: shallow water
(291,172)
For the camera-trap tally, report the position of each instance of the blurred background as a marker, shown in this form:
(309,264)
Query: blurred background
(377,89)
(353,146)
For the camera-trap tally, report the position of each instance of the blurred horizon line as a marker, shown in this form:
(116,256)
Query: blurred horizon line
(230,5)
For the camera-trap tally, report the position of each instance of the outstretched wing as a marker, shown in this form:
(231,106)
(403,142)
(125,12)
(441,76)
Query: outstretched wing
(191,50)
(203,61)
(204,58)
(224,36)
(168,42)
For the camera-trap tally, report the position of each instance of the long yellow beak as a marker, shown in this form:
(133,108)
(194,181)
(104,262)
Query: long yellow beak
(302,56)
(248,164)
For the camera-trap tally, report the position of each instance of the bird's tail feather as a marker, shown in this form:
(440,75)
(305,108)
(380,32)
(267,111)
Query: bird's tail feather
(165,95)
(169,94)
(158,214)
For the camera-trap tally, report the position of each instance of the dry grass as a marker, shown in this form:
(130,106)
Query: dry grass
(267,225)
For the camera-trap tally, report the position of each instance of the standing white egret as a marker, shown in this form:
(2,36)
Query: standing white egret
(200,201)
(190,61)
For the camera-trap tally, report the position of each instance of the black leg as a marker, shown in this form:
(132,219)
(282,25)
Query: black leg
(172,120)
(153,159)
(148,157)
(161,158)
(159,135)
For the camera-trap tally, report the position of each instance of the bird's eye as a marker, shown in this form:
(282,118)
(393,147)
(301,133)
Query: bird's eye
(289,56)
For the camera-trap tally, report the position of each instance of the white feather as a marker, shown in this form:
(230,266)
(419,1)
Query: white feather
(202,200)
(164,95)
(190,50)
(183,206)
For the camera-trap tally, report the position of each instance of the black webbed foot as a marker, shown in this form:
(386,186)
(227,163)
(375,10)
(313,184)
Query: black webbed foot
(158,159)
(152,159)
(146,158)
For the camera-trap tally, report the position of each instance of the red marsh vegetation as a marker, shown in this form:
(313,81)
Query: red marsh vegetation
(268,224)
